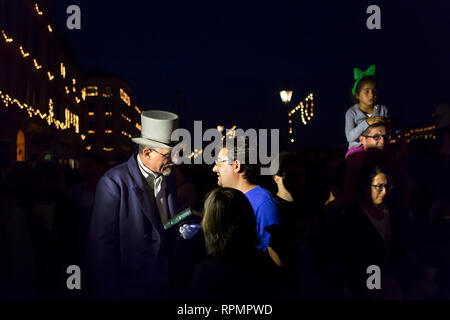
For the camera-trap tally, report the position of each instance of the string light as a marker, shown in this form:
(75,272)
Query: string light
(126,134)
(108,149)
(125,97)
(36,64)
(63,70)
(126,118)
(137,109)
(91,131)
(108,113)
(70,118)
(108,131)
(9,40)
(50,76)
(138,126)
(24,54)
(91,113)
(50,28)
(39,12)
(306,112)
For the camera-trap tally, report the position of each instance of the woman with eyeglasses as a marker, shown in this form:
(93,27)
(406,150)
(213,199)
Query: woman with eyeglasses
(372,236)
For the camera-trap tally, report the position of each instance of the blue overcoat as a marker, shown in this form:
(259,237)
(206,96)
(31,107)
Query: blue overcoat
(128,249)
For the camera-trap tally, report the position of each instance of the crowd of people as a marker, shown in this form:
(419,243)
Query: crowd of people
(371,222)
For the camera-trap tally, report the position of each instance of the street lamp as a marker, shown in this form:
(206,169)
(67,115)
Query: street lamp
(286,96)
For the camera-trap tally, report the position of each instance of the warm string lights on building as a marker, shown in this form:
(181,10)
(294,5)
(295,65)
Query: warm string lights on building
(137,109)
(138,126)
(7,39)
(91,132)
(71,119)
(125,97)
(63,70)
(195,154)
(24,54)
(427,133)
(126,118)
(37,66)
(126,134)
(108,149)
(108,113)
(231,133)
(306,109)
(108,131)
(49,28)
(91,114)
(36,7)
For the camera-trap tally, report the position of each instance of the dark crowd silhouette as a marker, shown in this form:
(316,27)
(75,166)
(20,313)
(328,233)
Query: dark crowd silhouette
(387,207)
(369,222)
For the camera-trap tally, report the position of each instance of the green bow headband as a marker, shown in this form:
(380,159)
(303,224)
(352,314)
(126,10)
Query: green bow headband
(359,74)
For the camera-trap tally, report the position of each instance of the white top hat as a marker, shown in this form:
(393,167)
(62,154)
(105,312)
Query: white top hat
(157,128)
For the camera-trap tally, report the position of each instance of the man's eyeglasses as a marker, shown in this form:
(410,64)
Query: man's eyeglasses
(377,137)
(166,155)
(380,187)
(223,161)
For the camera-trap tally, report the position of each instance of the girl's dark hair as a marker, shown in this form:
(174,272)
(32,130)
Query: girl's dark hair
(229,224)
(360,84)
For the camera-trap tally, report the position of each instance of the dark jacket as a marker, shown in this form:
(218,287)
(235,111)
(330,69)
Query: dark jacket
(128,248)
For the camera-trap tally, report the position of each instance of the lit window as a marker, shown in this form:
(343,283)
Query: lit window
(91,91)
(20,146)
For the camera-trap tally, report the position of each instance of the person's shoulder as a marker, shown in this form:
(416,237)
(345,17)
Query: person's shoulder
(261,195)
(116,174)
(352,110)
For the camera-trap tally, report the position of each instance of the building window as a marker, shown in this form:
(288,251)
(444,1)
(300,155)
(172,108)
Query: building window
(20,146)
(91,91)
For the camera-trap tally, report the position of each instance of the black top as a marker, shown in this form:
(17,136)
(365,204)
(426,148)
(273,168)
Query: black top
(247,275)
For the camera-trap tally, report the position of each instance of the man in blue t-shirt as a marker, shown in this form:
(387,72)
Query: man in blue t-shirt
(234,170)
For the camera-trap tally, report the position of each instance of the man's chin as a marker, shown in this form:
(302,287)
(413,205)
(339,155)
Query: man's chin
(166,171)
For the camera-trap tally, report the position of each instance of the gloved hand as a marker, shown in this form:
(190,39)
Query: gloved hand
(189,230)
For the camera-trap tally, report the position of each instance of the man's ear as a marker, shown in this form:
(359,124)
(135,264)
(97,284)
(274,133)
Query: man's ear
(361,139)
(236,166)
(147,152)
(277,179)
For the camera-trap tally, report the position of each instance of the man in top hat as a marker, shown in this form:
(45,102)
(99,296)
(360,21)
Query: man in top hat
(129,250)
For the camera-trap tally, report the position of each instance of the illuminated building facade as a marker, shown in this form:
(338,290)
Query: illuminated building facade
(40,87)
(112,116)
(418,135)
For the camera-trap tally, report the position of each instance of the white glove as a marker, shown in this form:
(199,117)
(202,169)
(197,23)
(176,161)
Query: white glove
(189,230)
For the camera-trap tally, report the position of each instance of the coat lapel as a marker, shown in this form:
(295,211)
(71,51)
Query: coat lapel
(141,189)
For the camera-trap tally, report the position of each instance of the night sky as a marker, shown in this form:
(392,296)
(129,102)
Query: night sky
(228,60)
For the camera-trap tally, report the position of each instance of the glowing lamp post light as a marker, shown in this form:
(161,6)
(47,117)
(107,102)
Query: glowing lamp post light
(286,96)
